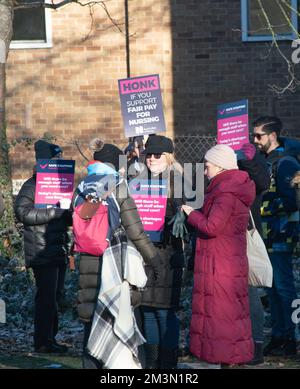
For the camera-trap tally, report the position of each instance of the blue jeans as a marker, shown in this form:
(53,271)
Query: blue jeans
(281,295)
(161,326)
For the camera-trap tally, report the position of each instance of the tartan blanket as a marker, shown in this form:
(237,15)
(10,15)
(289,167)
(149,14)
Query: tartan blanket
(115,337)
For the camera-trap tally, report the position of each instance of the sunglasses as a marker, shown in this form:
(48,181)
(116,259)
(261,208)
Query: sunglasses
(259,136)
(156,156)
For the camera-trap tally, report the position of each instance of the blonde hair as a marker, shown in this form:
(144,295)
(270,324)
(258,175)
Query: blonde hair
(172,163)
(175,166)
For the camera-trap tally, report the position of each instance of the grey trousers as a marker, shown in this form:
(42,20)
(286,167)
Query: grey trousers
(256,315)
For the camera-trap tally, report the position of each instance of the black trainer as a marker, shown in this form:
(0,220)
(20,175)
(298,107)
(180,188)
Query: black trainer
(290,347)
(52,349)
(258,357)
(64,347)
(275,346)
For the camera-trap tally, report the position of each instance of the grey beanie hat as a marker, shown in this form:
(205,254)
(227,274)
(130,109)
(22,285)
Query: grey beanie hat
(222,156)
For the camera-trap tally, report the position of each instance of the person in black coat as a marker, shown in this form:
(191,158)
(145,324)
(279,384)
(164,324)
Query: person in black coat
(161,300)
(254,164)
(46,246)
(107,163)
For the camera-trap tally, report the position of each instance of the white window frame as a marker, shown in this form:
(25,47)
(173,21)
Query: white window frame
(256,38)
(37,44)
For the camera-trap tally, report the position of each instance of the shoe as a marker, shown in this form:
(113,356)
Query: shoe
(290,347)
(275,347)
(168,358)
(258,357)
(62,346)
(51,349)
(151,355)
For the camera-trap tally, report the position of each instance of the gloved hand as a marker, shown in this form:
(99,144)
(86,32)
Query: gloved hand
(135,297)
(179,229)
(158,268)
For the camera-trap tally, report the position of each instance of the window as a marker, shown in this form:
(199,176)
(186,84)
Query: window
(31,28)
(281,15)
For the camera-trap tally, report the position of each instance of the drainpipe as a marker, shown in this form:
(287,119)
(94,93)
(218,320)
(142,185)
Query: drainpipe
(127,38)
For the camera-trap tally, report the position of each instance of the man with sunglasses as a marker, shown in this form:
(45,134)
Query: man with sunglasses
(280,227)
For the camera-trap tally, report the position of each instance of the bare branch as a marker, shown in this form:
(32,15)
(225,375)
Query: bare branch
(81,153)
(290,24)
(56,6)
(292,81)
(92,23)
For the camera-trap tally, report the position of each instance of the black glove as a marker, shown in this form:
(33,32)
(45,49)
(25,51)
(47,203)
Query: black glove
(135,297)
(157,264)
(179,229)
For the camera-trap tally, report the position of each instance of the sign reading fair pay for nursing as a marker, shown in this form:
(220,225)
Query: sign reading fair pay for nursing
(141,105)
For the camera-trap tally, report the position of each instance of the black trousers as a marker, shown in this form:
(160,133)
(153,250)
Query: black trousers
(49,290)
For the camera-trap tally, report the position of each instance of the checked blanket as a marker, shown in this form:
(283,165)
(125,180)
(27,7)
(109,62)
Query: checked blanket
(115,337)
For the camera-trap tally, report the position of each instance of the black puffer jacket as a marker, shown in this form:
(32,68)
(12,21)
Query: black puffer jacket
(166,293)
(259,173)
(46,240)
(90,266)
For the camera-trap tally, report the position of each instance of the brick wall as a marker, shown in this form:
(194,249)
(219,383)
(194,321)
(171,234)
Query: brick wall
(211,65)
(70,90)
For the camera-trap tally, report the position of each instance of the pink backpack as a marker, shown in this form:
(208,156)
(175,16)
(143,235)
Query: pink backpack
(90,228)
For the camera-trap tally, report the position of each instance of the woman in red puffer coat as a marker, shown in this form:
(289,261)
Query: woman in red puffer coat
(220,329)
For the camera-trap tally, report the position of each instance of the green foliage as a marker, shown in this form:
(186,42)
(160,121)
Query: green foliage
(29,361)
(26,141)
(10,239)
(17,290)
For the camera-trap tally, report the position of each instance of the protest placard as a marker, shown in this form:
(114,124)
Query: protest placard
(141,105)
(150,197)
(233,127)
(54,182)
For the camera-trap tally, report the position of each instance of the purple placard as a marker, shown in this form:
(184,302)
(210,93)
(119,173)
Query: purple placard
(141,105)
(54,182)
(233,127)
(150,197)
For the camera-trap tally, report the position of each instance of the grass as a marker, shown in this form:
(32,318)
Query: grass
(39,361)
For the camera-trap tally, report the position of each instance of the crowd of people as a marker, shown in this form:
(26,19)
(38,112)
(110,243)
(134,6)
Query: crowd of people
(227,320)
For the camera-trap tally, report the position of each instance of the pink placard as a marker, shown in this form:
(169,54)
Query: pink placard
(233,131)
(52,187)
(139,84)
(152,211)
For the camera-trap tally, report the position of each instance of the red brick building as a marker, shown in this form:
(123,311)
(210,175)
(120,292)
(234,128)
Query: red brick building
(66,84)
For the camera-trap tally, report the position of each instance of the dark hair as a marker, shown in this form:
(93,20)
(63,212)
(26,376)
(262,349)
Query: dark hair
(269,123)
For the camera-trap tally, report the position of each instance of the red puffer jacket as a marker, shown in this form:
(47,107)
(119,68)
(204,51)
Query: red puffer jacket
(220,327)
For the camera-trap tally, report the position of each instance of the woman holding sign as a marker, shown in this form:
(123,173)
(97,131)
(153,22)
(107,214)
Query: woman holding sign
(46,246)
(161,300)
